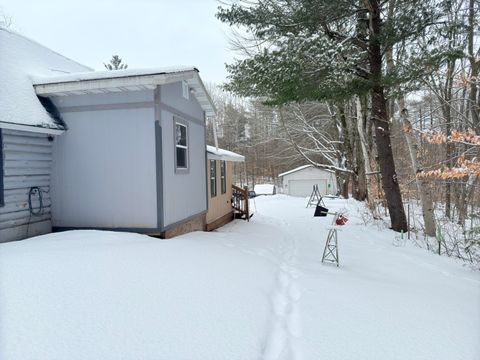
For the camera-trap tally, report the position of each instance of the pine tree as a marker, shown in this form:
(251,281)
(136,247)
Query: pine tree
(115,63)
(325,50)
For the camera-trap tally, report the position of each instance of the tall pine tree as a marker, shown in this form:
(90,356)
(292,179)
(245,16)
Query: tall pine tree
(325,50)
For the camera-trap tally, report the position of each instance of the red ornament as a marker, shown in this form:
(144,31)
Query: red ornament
(341,220)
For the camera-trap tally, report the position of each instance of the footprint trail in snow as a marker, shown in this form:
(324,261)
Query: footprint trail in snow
(284,332)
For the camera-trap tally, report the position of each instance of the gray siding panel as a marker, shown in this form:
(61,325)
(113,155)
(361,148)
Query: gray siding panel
(184,192)
(27,163)
(104,173)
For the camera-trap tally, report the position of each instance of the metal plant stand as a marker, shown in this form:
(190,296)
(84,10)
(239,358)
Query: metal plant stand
(330,253)
(315,197)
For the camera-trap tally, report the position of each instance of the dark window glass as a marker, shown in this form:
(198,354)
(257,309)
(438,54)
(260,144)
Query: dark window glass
(223,175)
(213,178)
(181,158)
(181,146)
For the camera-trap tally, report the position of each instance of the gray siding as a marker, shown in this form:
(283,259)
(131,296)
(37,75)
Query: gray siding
(184,193)
(104,173)
(27,163)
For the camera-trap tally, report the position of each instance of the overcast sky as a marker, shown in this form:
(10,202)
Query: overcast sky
(145,33)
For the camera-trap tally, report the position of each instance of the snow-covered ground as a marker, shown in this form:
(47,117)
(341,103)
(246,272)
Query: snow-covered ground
(249,291)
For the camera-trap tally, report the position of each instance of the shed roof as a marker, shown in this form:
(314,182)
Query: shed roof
(20,59)
(302,168)
(98,82)
(220,154)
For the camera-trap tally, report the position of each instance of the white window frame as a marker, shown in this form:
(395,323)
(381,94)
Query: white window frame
(177,146)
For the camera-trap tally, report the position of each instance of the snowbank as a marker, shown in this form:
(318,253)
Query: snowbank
(252,290)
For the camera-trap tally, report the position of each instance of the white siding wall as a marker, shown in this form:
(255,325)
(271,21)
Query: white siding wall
(27,163)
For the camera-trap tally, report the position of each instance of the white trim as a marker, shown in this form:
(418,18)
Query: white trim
(184,147)
(35,129)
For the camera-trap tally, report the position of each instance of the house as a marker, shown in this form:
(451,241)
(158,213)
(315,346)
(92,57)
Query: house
(220,186)
(300,181)
(119,150)
(28,129)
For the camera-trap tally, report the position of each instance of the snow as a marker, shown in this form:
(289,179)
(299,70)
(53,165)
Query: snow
(221,154)
(264,189)
(253,290)
(21,58)
(110,74)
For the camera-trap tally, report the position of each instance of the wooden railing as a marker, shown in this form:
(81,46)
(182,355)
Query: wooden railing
(240,201)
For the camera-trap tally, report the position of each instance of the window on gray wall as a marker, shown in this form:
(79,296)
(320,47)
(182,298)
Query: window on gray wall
(181,146)
(223,176)
(213,178)
(2,198)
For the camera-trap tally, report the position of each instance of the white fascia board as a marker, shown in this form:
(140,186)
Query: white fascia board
(197,84)
(224,158)
(117,84)
(35,129)
(110,84)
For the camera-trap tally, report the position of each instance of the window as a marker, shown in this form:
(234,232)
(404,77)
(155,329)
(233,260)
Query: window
(181,146)
(185,90)
(213,178)
(223,176)
(2,199)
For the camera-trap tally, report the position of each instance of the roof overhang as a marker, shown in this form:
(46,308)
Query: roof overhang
(35,129)
(225,155)
(124,80)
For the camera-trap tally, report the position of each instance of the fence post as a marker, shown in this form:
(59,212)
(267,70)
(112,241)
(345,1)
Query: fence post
(247,208)
(438,236)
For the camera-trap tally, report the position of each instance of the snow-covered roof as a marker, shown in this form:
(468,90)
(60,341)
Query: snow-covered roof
(21,59)
(110,74)
(124,80)
(220,154)
(302,168)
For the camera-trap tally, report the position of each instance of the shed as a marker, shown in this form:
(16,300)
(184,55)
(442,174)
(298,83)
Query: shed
(130,155)
(300,181)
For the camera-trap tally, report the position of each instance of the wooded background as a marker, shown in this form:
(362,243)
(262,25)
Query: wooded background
(383,92)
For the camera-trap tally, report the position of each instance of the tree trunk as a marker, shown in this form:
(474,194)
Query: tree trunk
(422,188)
(390,184)
(364,153)
(474,66)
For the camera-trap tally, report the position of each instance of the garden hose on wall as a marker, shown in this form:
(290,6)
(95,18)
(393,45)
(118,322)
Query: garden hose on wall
(35,191)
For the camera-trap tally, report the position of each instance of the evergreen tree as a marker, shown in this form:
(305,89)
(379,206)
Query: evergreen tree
(115,63)
(325,50)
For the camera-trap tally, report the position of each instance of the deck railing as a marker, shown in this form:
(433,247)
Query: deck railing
(240,201)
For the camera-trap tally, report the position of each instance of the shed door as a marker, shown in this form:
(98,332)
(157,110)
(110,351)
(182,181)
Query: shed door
(305,187)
